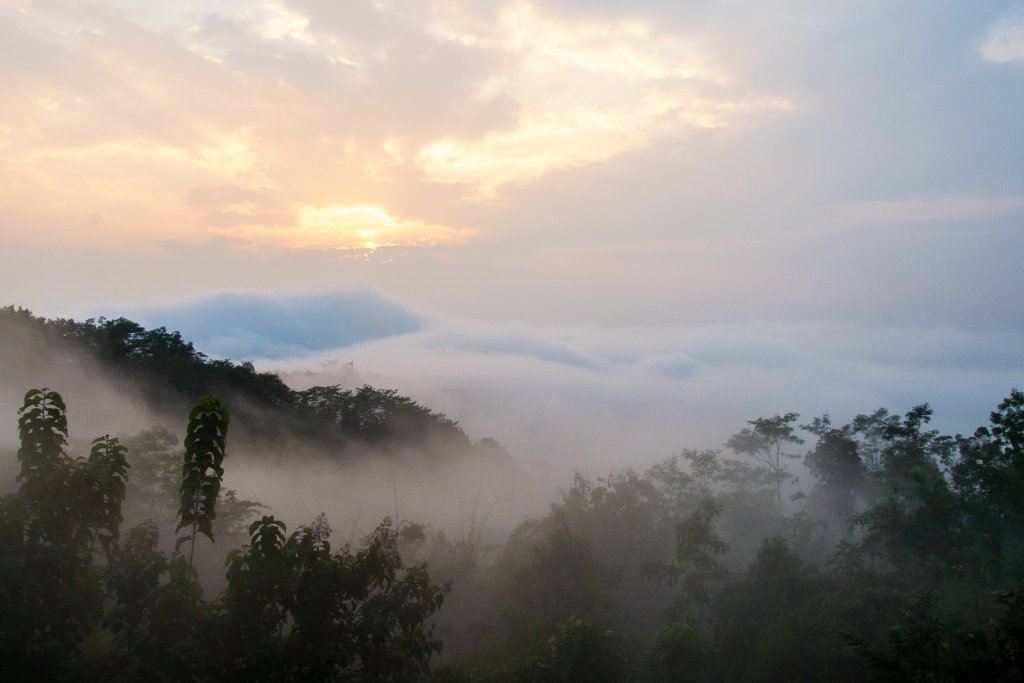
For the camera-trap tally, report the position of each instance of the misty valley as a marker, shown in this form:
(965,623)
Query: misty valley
(171,517)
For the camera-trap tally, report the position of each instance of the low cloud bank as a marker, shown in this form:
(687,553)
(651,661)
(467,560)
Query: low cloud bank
(595,398)
(246,325)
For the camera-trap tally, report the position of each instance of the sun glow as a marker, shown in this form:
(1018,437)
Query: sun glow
(357,227)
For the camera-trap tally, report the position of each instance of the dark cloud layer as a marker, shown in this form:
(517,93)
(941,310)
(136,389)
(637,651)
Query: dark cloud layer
(244,325)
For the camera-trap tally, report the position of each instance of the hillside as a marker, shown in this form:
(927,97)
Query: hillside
(166,373)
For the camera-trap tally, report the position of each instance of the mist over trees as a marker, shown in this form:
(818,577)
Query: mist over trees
(166,374)
(802,549)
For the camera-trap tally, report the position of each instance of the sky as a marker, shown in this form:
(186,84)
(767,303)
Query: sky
(725,207)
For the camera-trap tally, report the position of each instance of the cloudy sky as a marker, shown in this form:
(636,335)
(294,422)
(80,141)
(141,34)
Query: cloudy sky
(767,203)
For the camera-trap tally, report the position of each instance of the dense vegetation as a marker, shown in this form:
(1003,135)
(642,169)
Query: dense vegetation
(902,562)
(901,558)
(82,602)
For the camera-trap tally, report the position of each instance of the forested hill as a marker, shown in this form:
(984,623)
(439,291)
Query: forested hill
(168,374)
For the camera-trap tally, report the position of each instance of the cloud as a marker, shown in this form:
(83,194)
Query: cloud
(588,397)
(244,215)
(1005,42)
(123,111)
(227,206)
(644,173)
(595,397)
(365,227)
(511,343)
(247,325)
(921,210)
(590,90)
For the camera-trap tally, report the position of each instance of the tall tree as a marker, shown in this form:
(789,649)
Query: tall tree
(202,470)
(695,565)
(835,462)
(765,441)
(988,476)
(66,510)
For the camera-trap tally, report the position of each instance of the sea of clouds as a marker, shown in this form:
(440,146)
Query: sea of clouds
(594,397)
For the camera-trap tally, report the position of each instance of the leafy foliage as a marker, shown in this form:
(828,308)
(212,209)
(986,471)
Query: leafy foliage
(694,564)
(765,442)
(201,473)
(292,610)
(378,416)
(66,510)
(580,650)
(560,579)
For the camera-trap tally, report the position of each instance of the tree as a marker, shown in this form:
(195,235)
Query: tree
(908,447)
(694,564)
(610,513)
(989,472)
(773,625)
(835,462)
(256,603)
(580,651)
(295,610)
(684,488)
(154,490)
(202,471)
(765,442)
(924,644)
(560,579)
(870,432)
(66,510)
(681,653)
(379,416)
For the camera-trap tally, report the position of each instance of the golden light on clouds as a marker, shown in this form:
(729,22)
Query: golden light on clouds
(631,49)
(229,158)
(519,143)
(282,24)
(133,107)
(589,91)
(575,137)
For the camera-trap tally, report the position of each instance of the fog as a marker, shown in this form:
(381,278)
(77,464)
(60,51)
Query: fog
(357,487)
(458,498)
(594,399)
(98,403)
(592,396)
(559,399)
